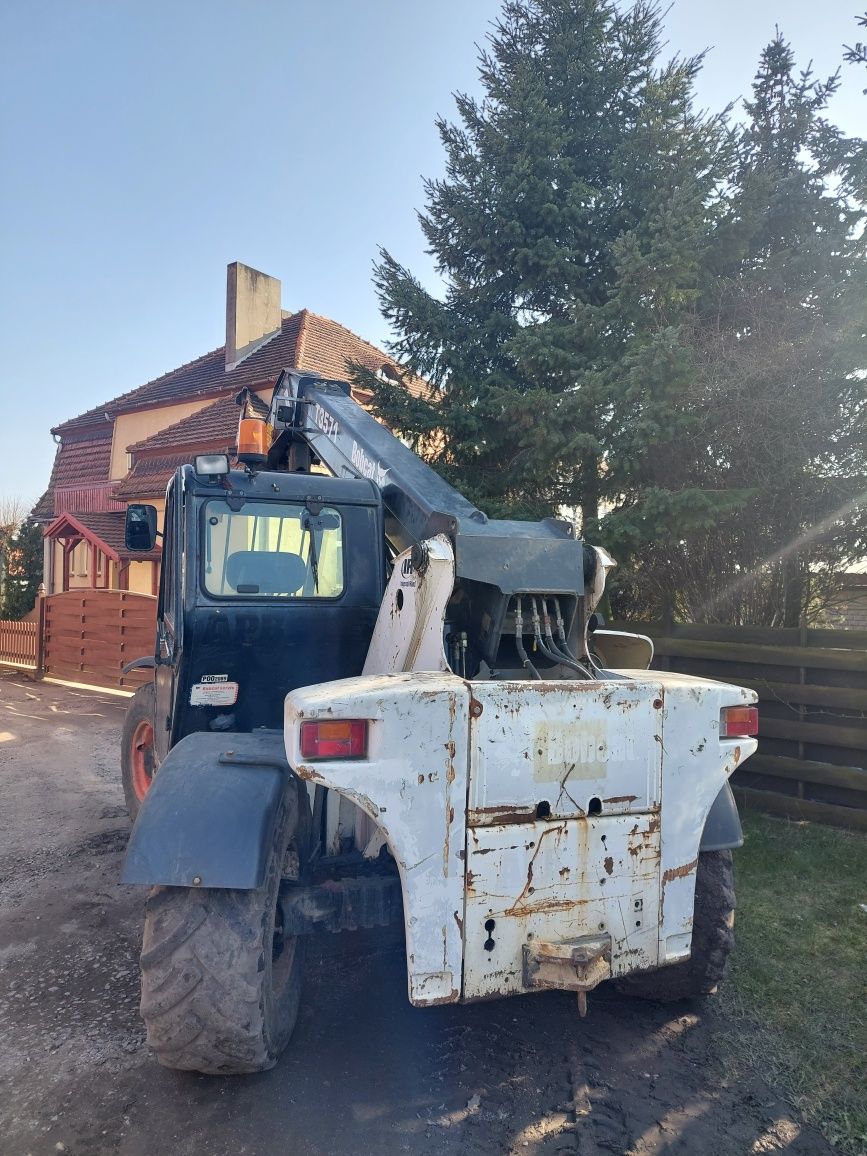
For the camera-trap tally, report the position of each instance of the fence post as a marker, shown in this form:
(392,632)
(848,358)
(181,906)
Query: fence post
(40,631)
(802,680)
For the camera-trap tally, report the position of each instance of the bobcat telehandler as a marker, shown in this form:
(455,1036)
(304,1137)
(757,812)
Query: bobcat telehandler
(372,704)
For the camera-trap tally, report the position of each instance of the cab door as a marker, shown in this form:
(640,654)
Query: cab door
(169,624)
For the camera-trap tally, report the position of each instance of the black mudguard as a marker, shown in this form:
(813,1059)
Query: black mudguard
(208,818)
(722,828)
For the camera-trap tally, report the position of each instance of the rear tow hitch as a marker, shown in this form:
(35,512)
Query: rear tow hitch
(576,965)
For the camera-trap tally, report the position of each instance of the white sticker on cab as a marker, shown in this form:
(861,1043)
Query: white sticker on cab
(214,694)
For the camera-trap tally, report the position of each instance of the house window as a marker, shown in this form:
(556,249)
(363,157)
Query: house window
(80,560)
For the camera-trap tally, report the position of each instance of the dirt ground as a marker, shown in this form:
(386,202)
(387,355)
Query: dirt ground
(365,1072)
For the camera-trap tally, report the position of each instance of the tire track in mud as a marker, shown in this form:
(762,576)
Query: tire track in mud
(632,1079)
(647,1081)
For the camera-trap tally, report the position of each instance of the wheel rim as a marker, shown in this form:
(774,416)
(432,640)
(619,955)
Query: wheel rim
(142,758)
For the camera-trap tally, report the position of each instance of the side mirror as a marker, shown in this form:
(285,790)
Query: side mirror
(140,530)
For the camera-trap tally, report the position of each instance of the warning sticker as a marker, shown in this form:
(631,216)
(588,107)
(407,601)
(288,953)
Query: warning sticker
(214,694)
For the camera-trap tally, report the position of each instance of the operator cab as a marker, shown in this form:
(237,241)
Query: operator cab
(269,581)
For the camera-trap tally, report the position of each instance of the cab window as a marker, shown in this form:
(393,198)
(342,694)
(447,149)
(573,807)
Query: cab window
(272,550)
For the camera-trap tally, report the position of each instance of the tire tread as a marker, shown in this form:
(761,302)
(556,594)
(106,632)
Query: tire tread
(713,939)
(203,997)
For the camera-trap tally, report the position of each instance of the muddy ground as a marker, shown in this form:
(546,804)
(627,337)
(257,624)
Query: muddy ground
(365,1073)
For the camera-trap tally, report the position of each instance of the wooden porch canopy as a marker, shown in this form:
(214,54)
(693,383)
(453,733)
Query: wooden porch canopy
(104,534)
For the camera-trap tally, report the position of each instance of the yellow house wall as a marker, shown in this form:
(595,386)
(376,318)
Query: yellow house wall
(160,505)
(130,428)
(141,577)
(57,584)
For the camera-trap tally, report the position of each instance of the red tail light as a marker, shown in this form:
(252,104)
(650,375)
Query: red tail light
(738,722)
(346,739)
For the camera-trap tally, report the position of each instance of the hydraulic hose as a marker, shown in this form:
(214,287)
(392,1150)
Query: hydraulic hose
(519,639)
(564,645)
(559,659)
(561,631)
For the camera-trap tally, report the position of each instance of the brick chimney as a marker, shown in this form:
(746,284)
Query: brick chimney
(253,312)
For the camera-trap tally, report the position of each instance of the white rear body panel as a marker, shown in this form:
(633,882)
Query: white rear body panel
(628,770)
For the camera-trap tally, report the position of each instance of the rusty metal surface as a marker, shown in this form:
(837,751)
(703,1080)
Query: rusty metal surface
(561,745)
(413,785)
(558,881)
(571,965)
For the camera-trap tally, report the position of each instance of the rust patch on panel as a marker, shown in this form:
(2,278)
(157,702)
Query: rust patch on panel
(519,907)
(459,922)
(453,997)
(501,815)
(621,799)
(668,876)
(546,906)
(679,872)
(609,864)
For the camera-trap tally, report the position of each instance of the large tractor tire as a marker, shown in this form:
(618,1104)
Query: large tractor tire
(713,938)
(221,984)
(137,755)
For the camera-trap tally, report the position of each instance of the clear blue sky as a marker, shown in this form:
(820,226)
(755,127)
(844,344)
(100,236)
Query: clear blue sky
(147,144)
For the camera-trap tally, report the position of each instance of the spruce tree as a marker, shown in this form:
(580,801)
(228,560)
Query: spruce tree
(570,229)
(778,344)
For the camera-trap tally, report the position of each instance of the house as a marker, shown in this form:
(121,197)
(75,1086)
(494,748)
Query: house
(127,449)
(848,608)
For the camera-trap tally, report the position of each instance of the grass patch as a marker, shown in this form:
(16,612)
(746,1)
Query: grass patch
(796,999)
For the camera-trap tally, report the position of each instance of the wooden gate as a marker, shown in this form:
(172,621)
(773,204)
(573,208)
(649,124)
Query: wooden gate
(90,635)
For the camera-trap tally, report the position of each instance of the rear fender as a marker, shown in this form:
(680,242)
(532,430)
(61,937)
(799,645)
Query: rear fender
(722,827)
(208,818)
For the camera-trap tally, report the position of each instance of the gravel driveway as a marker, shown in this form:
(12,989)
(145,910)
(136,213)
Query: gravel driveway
(365,1072)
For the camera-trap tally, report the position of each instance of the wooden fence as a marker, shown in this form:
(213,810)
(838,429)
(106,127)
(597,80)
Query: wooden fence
(812,688)
(90,635)
(19,643)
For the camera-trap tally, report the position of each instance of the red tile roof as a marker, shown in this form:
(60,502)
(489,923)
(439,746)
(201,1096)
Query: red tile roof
(327,347)
(305,341)
(43,511)
(217,423)
(149,477)
(85,461)
(79,463)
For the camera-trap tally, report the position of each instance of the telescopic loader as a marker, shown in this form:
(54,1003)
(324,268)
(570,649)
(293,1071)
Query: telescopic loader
(373,704)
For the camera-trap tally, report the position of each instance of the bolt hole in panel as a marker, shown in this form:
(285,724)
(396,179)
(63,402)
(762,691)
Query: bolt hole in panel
(540,880)
(489,943)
